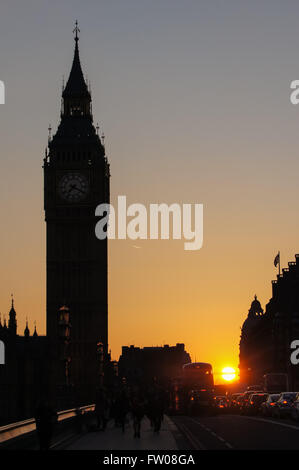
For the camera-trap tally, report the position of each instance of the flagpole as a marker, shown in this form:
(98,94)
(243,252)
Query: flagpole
(279,263)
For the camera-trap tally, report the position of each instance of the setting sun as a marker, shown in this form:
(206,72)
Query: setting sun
(228,374)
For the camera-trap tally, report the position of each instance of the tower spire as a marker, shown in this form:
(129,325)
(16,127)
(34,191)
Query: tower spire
(76,96)
(35,332)
(76,84)
(26,331)
(12,322)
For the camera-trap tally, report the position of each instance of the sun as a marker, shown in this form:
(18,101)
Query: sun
(228,374)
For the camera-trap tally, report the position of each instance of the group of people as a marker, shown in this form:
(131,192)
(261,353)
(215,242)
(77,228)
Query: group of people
(135,402)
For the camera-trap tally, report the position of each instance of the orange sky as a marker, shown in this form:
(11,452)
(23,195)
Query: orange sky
(195,106)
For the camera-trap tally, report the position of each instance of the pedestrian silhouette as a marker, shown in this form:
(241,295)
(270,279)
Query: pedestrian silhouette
(137,404)
(102,409)
(156,406)
(121,408)
(45,418)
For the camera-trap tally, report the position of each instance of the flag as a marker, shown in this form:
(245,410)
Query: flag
(277,259)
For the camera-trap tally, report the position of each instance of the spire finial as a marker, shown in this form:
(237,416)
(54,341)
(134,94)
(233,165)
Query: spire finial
(12,300)
(76,30)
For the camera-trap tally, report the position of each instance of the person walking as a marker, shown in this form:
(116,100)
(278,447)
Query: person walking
(121,408)
(138,410)
(156,406)
(102,409)
(45,418)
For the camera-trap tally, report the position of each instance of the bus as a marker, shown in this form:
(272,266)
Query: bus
(198,375)
(193,391)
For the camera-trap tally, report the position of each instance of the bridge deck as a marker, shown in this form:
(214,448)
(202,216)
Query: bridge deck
(114,439)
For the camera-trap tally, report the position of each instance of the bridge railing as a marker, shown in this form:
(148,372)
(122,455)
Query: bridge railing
(22,428)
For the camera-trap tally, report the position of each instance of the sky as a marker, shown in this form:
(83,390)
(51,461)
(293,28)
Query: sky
(194,100)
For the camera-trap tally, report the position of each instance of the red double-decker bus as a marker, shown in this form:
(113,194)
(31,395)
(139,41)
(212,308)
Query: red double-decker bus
(193,391)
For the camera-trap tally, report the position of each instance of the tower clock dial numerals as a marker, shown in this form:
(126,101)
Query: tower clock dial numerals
(73,187)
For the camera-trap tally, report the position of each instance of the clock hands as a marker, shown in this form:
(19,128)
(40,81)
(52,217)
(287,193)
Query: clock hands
(74,187)
(78,189)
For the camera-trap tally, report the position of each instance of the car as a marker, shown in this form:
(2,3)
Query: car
(266,406)
(255,402)
(239,401)
(234,401)
(221,402)
(295,408)
(245,400)
(284,405)
(199,401)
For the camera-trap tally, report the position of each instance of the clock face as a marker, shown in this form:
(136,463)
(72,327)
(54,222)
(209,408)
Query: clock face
(73,187)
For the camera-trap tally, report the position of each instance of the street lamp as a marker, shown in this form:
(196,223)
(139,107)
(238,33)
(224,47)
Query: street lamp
(100,355)
(64,333)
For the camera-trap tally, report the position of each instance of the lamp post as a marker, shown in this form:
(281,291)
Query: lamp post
(64,333)
(100,355)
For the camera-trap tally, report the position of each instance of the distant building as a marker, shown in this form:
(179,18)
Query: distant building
(266,337)
(256,345)
(141,365)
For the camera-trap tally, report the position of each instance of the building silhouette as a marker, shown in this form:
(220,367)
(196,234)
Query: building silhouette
(266,336)
(76,180)
(142,365)
(24,375)
(69,363)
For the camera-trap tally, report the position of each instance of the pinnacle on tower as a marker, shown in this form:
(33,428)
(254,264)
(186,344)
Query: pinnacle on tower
(12,322)
(26,331)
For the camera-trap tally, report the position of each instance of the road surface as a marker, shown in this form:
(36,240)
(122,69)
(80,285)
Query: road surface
(238,432)
(221,432)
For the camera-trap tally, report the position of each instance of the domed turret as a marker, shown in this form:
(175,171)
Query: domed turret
(254,313)
(256,308)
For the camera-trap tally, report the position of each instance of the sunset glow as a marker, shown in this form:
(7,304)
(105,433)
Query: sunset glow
(158,292)
(228,374)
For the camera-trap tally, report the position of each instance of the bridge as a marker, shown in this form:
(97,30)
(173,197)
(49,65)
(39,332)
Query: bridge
(22,434)
(181,433)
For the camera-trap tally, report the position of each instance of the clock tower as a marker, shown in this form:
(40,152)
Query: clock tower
(76,180)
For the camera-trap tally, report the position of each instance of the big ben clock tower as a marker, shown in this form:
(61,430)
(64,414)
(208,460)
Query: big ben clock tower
(76,180)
